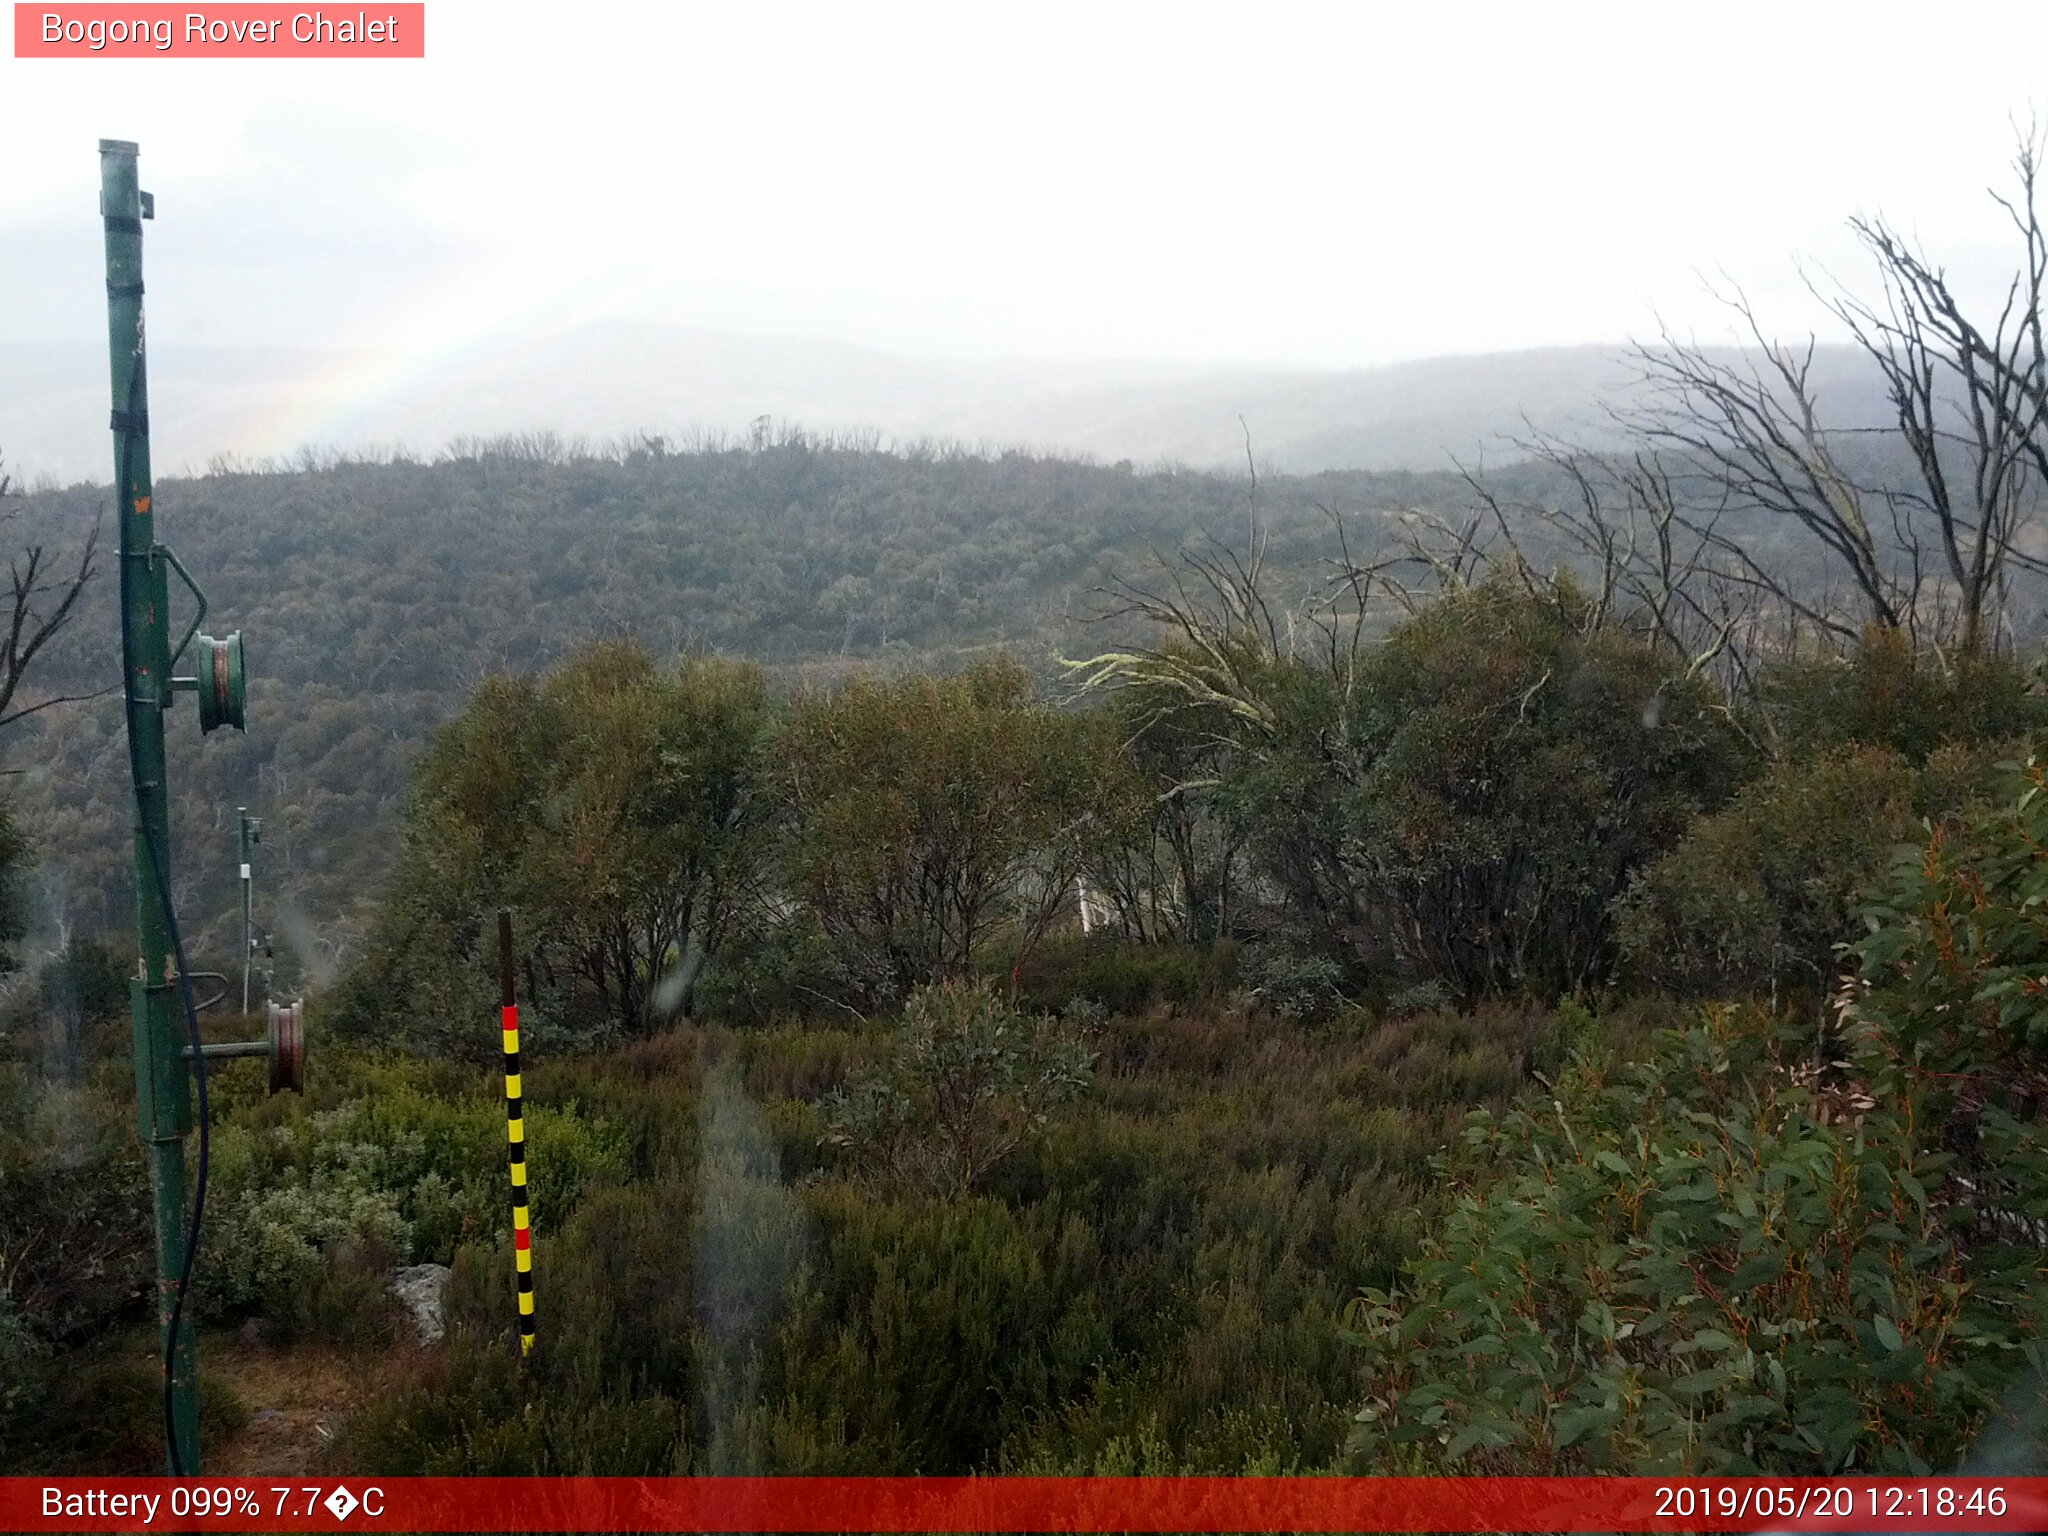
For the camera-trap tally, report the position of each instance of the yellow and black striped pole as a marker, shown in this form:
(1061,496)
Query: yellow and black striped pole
(515,1133)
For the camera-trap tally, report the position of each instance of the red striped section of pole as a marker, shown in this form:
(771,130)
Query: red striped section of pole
(515,1133)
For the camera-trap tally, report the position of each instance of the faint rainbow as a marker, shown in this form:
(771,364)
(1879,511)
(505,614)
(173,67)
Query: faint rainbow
(334,404)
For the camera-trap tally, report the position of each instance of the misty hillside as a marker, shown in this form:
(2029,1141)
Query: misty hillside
(603,381)
(375,596)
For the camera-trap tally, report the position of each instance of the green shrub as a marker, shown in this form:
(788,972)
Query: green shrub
(79,997)
(923,1342)
(437,1163)
(293,1251)
(1960,943)
(1721,1261)
(1518,762)
(931,816)
(1952,1018)
(800,1063)
(90,973)
(311,1206)
(1164,1271)
(1291,983)
(1123,977)
(784,968)
(75,1237)
(476,1412)
(1889,695)
(1427,996)
(967,1079)
(616,807)
(1762,897)
(103,1412)
(16,854)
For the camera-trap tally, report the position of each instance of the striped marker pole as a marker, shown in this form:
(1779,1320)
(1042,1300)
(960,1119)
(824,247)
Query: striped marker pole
(515,1133)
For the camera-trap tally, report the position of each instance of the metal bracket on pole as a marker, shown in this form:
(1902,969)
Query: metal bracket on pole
(163,553)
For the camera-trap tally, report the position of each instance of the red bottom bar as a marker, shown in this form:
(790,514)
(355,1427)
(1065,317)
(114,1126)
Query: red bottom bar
(929,1504)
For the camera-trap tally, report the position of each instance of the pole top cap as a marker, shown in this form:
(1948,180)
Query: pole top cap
(119,147)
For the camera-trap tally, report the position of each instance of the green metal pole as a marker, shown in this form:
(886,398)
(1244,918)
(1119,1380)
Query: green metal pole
(163,1085)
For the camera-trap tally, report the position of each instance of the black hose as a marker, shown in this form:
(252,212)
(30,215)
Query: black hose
(163,894)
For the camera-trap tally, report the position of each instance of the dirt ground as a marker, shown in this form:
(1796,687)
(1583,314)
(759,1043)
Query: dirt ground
(297,1400)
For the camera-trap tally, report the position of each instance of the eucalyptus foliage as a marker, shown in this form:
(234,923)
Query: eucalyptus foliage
(967,1080)
(615,806)
(923,815)
(1762,1249)
(1710,1262)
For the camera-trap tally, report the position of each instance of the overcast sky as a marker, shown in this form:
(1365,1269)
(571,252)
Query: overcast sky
(1325,185)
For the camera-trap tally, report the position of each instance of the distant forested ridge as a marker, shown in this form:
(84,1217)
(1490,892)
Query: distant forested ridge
(376,592)
(374,595)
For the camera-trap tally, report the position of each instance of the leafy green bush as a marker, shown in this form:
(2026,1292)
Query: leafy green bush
(86,984)
(1887,695)
(1289,982)
(476,1411)
(436,1158)
(312,1207)
(1163,1271)
(1518,762)
(617,807)
(926,1339)
(1723,1260)
(785,968)
(16,853)
(100,1413)
(968,1079)
(1953,1012)
(445,1159)
(929,816)
(74,1220)
(275,1246)
(1760,897)
(1426,996)
(1124,977)
(1763,897)
(1961,943)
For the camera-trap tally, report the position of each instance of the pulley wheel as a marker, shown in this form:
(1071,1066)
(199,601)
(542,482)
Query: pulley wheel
(221,687)
(287,1048)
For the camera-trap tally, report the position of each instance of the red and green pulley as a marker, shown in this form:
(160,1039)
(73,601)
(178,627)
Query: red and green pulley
(218,676)
(220,681)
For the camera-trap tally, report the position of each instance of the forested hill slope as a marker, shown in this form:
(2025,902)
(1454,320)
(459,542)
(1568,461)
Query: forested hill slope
(373,596)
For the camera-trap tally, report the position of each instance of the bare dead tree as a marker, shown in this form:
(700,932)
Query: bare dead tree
(41,599)
(1934,552)
(1631,558)
(2025,215)
(2011,357)
(1665,568)
(1745,433)
(1965,405)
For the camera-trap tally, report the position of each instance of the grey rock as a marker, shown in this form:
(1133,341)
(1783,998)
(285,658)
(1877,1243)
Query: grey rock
(422,1288)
